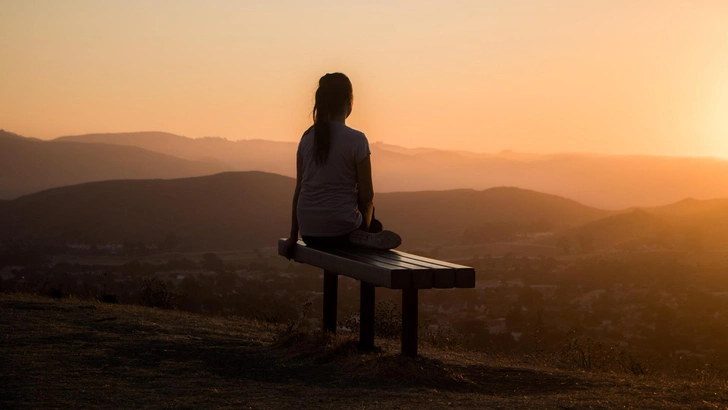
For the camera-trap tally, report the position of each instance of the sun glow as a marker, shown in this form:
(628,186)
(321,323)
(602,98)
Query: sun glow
(716,120)
(532,76)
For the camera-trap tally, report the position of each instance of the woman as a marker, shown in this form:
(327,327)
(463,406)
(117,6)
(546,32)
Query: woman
(332,202)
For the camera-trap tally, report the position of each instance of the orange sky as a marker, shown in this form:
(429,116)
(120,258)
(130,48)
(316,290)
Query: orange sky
(609,76)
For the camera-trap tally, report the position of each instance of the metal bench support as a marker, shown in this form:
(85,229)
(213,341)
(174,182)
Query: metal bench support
(331,294)
(366,316)
(409,322)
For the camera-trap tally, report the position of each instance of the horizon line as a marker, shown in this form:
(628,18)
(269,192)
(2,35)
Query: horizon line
(382,142)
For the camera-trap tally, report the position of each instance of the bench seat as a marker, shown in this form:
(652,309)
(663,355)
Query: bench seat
(390,269)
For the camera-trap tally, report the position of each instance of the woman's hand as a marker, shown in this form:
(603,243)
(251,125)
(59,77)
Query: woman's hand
(289,247)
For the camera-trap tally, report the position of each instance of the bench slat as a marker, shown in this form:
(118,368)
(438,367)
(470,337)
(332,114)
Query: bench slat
(465,279)
(418,279)
(382,258)
(464,275)
(421,279)
(378,275)
(399,259)
(430,260)
(445,275)
(366,259)
(442,278)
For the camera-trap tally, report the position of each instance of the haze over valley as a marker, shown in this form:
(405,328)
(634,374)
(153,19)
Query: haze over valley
(603,181)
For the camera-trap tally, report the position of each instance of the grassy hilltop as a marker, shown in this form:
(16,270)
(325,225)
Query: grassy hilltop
(71,353)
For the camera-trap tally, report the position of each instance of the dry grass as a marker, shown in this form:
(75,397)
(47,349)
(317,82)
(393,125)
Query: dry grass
(79,354)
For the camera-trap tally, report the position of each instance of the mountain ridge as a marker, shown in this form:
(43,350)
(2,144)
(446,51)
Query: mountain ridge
(30,165)
(252,209)
(605,181)
(236,210)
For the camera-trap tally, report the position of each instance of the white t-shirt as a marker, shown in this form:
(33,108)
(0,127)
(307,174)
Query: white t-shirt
(329,200)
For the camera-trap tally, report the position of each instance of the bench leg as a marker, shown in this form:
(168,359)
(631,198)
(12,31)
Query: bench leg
(331,290)
(409,322)
(366,316)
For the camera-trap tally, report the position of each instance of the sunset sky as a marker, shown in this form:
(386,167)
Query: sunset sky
(606,76)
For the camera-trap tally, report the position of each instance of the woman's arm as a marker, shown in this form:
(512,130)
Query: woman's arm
(366,191)
(293,237)
(296,192)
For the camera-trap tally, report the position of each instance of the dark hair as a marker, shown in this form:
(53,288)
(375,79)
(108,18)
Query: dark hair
(333,95)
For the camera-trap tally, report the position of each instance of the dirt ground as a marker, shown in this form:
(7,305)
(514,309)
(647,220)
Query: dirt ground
(79,354)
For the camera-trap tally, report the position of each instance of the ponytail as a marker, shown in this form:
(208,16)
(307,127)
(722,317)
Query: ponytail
(333,93)
(321,127)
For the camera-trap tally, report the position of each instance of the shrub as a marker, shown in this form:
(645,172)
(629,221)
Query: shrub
(587,354)
(155,294)
(56,293)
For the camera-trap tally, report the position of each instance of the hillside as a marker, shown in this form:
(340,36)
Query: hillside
(603,181)
(29,165)
(631,230)
(77,354)
(13,136)
(231,210)
(687,225)
(447,214)
(251,209)
(246,155)
(245,210)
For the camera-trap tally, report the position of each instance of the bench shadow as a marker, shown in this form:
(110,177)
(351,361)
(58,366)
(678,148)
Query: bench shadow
(139,353)
(341,367)
(382,371)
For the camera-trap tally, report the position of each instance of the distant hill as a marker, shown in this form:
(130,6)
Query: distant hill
(251,209)
(29,165)
(448,214)
(604,181)
(690,225)
(226,210)
(693,207)
(10,135)
(247,155)
(628,231)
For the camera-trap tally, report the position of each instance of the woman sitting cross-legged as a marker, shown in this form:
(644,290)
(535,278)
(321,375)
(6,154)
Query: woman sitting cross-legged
(332,202)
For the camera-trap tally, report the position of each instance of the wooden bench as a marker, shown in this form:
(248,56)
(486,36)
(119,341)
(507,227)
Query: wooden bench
(390,269)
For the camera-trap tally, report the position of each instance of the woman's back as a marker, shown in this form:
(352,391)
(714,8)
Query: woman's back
(328,201)
(333,200)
